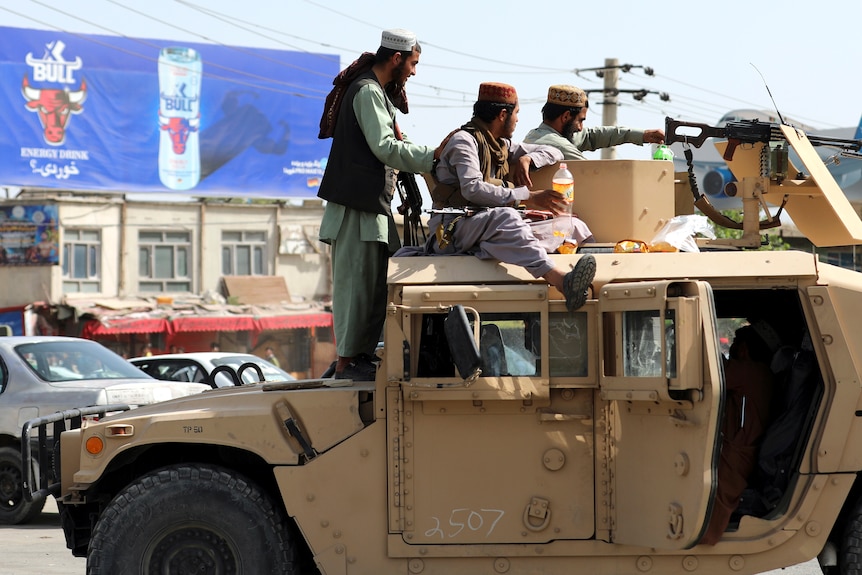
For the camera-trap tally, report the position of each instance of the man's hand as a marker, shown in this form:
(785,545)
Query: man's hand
(521,172)
(548,200)
(653,136)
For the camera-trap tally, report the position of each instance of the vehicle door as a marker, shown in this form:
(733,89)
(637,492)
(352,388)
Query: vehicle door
(658,413)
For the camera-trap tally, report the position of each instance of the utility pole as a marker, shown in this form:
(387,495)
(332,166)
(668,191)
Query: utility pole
(609,110)
(610,93)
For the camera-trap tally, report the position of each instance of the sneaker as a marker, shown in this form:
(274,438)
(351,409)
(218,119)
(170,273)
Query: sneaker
(576,283)
(360,369)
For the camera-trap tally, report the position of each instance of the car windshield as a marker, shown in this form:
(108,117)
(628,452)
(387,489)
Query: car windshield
(270,372)
(73,360)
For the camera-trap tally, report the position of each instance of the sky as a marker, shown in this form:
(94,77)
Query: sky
(708,57)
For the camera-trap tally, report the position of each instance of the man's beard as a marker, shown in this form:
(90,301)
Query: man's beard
(509,126)
(397,83)
(568,129)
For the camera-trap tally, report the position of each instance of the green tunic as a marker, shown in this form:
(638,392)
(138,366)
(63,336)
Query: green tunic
(587,140)
(362,241)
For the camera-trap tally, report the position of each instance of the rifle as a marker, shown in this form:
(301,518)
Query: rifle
(410,208)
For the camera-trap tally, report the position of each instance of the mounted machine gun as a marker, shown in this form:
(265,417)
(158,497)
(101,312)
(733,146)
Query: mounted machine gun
(757,154)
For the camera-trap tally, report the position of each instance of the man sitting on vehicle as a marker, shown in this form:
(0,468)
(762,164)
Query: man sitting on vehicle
(562,126)
(483,175)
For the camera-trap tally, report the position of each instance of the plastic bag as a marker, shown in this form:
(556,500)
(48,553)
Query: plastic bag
(552,231)
(678,234)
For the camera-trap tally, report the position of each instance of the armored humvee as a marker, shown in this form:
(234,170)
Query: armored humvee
(505,434)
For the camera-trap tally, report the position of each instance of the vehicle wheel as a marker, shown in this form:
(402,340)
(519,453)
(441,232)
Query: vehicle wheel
(198,519)
(850,553)
(14,509)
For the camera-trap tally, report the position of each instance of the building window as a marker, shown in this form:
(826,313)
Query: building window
(82,252)
(243,253)
(164,261)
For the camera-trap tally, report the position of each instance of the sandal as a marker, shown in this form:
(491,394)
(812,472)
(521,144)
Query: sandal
(576,283)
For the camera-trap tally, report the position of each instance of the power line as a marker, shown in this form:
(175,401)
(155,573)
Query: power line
(275,35)
(93,39)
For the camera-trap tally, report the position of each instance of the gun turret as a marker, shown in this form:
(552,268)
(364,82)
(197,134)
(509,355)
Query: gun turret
(764,172)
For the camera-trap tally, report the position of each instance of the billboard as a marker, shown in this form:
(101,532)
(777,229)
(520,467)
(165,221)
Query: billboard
(104,113)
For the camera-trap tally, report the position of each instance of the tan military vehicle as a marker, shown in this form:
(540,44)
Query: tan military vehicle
(507,435)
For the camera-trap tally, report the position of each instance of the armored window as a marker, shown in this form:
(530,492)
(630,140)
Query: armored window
(568,340)
(164,261)
(243,253)
(643,335)
(510,345)
(82,252)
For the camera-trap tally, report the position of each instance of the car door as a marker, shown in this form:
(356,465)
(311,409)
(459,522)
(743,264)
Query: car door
(660,403)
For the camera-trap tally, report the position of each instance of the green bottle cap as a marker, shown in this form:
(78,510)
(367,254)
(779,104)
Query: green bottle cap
(663,153)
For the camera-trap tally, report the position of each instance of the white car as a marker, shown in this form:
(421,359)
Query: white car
(40,376)
(198,367)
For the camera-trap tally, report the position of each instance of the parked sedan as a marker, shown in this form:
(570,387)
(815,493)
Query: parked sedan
(42,375)
(199,365)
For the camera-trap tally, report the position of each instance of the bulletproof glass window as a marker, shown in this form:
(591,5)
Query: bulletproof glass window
(510,345)
(644,332)
(568,341)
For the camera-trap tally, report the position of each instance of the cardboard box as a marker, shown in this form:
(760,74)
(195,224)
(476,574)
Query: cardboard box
(619,199)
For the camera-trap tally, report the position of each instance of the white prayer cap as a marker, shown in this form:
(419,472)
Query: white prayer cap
(398,39)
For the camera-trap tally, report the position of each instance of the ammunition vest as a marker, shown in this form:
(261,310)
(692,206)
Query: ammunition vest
(493,163)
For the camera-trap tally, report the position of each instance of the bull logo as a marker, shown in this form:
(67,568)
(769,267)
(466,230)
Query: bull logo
(54,106)
(179,129)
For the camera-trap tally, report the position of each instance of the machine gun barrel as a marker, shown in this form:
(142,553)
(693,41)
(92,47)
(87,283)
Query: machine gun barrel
(743,132)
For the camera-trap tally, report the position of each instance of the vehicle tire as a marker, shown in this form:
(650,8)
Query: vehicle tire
(850,552)
(14,509)
(192,518)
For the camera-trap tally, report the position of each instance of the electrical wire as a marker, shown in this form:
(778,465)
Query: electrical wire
(678,105)
(312,93)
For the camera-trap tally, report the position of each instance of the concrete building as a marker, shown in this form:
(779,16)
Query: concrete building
(172,274)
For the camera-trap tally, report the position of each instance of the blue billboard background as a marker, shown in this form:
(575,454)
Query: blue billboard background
(81,112)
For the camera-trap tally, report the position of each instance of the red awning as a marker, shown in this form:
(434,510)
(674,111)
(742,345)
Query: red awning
(121,325)
(276,322)
(212,323)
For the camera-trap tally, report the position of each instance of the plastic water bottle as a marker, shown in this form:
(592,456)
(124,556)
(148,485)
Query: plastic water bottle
(179,117)
(564,183)
(662,152)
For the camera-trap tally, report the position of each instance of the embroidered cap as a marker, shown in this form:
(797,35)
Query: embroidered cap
(398,39)
(497,92)
(569,96)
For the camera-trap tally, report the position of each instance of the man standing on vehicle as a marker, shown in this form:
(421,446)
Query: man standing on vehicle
(485,175)
(563,126)
(358,185)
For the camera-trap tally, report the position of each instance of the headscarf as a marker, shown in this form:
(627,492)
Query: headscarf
(342,81)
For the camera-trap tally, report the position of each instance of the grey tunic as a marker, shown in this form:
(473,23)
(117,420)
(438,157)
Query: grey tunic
(498,232)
